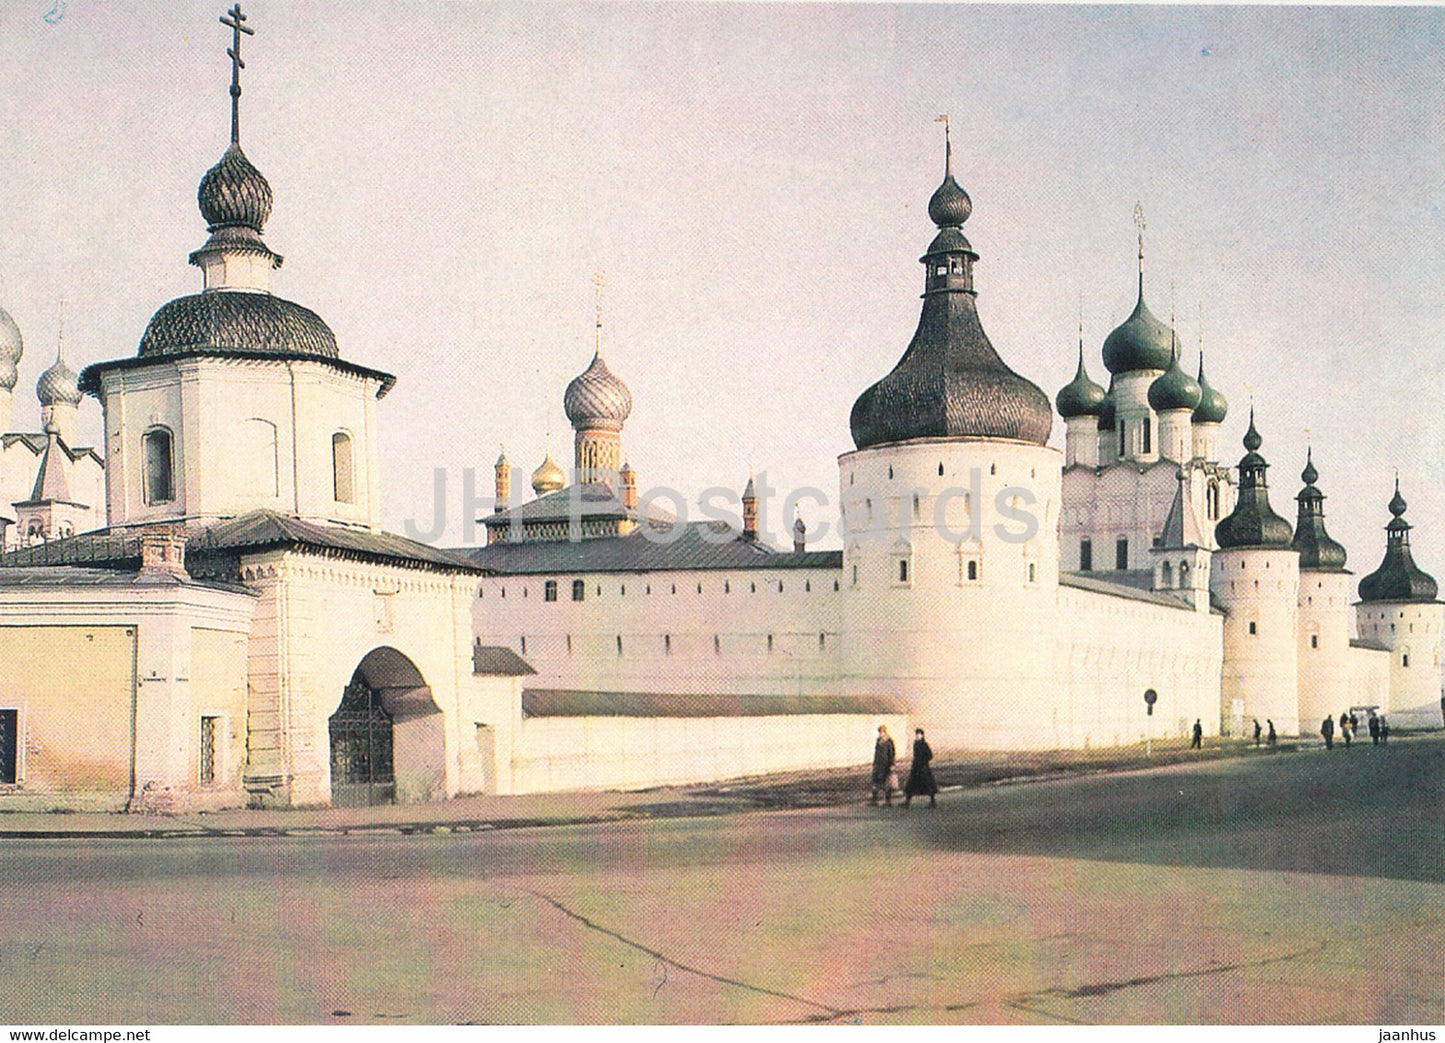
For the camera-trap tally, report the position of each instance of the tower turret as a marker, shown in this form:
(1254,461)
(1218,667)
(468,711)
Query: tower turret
(597,403)
(1325,679)
(1080,402)
(503,471)
(1398,610)
(1255,576)
(951,443)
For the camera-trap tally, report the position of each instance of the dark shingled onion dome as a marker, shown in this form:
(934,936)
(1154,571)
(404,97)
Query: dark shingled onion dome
(596,398)
(950,383)
(1140,342)
(1176,389)
(1080,396)
(1212,407)
(1253,522)
(1317,551)
(235,200)
(1398,578)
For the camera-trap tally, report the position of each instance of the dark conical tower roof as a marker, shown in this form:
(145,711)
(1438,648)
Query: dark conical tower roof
(1317,551)
(950,383)
(1253,522)
(1398,578)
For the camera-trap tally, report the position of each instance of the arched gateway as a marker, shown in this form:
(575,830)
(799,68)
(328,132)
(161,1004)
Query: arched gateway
(387,738)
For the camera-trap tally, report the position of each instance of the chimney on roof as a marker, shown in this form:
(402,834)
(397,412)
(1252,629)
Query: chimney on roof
(163,551)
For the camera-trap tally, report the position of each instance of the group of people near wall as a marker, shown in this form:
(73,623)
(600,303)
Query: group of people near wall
(920,772)
(1379,729)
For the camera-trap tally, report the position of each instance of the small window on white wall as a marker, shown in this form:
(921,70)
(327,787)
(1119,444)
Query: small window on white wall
(341,467)
(158,464)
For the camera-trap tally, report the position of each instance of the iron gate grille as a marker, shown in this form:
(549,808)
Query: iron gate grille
(361,767)
(208,751)
(9,746)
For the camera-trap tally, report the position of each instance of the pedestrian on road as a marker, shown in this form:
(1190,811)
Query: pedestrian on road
(920,775)
(1354,724)
(1272,738)
(883,757)
(1256,731)
(1345,729)
(1384,729)
(1198,735)
(1374,730)
(1327,729)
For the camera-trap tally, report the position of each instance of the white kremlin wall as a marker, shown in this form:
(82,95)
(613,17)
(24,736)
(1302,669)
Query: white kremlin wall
(1411,631)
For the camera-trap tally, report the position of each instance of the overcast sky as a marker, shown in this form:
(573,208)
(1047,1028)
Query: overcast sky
(753,180)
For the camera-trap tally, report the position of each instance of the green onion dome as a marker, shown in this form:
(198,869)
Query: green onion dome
(1212,408)
(1080,396)
(1176,389)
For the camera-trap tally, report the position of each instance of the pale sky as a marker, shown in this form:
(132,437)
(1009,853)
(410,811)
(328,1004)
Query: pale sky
(753,180)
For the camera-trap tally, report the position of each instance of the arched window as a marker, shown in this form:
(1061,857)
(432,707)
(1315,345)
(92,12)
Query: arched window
(1168,577)
(549,590)
(579,591)
(158,464)
(1148,436)
(341,468)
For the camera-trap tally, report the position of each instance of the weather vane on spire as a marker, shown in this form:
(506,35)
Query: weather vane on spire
(599,280)
(235,22)
(947,144)
(1139,221)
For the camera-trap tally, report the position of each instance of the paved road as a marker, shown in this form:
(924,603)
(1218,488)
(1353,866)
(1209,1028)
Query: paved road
(1307,887)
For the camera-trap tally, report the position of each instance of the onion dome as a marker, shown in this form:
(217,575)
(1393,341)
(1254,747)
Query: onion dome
(1253,522)
(254,323)
(596,398)
(1141,342)
(1212,408)
(1398,578)
(1176,389)
(233,194)
(548,478)
(9,374)
(58,385)
(950,383)
(1080,396)
(12,345)
(1317,551)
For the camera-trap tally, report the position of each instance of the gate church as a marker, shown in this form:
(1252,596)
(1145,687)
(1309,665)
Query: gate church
(242,630)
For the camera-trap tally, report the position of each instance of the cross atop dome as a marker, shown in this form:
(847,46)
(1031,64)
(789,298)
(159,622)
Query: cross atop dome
(235,21)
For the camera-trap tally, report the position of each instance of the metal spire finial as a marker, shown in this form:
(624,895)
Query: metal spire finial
(60,337)
(1139,222)
(947,145)
(599,280)
(235,21)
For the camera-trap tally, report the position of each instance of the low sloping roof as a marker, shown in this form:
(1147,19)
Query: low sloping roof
(496,661)
(657,547)
(1089,581)
(72,576)
(555,702)
(120,548)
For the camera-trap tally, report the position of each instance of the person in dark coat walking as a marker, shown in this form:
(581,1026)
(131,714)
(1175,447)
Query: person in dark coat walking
(1345,729)
(920,775)
(1374,730)
(1272,738)
(1256,731)
(884,755)
(1384,729)
(1327,729)
(1198,735)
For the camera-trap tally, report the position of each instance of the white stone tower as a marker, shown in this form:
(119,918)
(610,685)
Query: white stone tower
(1398,609)
(1325,687)
(950,508)
(1256,577)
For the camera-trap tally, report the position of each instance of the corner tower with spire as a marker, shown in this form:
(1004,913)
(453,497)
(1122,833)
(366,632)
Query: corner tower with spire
(1326,680)
(949,436)
(1399,610)
(1255,577)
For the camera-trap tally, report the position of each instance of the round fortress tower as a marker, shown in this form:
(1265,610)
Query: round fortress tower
(950,507)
